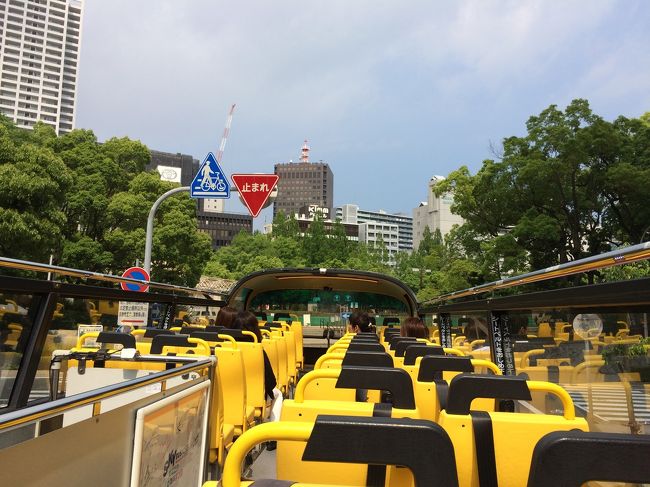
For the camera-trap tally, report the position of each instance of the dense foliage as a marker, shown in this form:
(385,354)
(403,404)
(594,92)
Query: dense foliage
(86,204)
(574,185)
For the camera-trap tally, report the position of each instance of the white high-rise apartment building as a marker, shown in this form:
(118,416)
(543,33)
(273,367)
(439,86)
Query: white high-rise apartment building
(351,213)
(434,213)
(372,233)
(39,61)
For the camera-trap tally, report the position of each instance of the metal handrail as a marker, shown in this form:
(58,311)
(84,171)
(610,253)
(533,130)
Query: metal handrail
(67,271)
(59,406)
(627,255)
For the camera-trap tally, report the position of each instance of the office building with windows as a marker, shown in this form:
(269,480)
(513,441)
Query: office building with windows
(434,213)
(351,213)
(39,61)
(302,184)
(223,227)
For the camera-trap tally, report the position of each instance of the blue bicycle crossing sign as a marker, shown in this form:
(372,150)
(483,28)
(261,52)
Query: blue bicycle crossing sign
(210,181)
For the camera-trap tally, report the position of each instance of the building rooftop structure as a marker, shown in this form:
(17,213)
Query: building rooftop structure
(303,183)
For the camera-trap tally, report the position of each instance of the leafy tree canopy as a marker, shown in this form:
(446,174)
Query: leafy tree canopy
(86,204)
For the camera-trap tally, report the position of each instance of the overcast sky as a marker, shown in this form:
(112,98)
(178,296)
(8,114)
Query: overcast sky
(388,93)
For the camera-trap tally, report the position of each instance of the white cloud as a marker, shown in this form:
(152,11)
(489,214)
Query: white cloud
(418,85)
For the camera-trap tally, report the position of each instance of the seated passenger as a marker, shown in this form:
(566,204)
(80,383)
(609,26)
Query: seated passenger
(245,320)
(226,317)
(413,327)
(359,322)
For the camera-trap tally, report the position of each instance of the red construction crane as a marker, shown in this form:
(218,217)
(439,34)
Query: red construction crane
(226,131)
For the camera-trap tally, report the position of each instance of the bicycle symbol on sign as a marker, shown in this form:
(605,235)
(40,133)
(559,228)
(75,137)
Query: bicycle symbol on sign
(210,181)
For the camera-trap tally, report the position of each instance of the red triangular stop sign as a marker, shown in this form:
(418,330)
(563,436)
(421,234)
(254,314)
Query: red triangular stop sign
(255,189)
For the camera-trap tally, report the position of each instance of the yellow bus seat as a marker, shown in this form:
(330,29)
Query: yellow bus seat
(289,455)
(230,365)
(358,437)
(578,458)
(544,330)
(253,356)
(499,445)
(144,336)
(292,371)
(326,388)
(178,344)
(296,327)
(431,382)
(562,329)
(271,348)
(283,376)
(253,359)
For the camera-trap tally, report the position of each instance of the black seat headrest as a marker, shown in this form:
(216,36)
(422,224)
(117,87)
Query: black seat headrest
(355,440)
(152,332)
(124,339)
(432,367)
(214,329)
(367,359)
(396,381)
(365,347)
(578,457)
(420,350)
(238,335)
(160,341)
(464,388)
(396,339)
(403,345)
(208,336)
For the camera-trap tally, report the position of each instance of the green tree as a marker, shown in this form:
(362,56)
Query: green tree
(571,187)
(315,248)
(34,185)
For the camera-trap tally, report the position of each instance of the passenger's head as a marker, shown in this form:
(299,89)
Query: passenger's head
(359,322)
(226,317)
(413,327)
(247,321)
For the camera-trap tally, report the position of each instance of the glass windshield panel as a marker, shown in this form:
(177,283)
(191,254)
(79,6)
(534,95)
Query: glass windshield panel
(75,317)
(15,328)
(328,309)
(601,359)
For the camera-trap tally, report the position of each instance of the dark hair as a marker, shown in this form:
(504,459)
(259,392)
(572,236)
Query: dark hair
(247,321)
(360,320)
(226,317)
(413,327)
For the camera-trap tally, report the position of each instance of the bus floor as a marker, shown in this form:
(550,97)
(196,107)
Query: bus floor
(263,467)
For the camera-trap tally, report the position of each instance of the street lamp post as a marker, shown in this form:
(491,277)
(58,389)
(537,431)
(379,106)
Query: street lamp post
(152,213)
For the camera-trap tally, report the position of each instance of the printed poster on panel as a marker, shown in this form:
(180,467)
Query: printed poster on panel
(170,438)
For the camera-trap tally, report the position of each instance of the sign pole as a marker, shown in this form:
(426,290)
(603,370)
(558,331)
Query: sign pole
(152,213)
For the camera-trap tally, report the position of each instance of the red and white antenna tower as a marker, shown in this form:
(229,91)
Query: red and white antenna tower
(226,132)
(304,155)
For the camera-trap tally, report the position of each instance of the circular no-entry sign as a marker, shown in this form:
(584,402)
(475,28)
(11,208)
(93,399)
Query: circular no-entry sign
(135,273)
